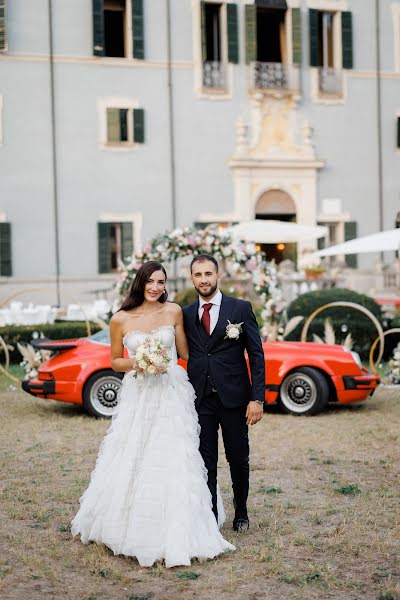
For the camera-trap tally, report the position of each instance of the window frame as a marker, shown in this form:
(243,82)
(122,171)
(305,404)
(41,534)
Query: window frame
(135,218)
(119,103)
(199,88)
(317,96)
(128,34)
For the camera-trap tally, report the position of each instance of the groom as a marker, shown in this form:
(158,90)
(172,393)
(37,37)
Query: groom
(219,329)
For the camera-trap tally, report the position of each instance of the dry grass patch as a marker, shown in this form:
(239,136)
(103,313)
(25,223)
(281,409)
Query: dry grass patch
(323,510)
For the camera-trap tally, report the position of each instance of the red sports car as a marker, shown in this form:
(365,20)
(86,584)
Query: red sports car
(302,377)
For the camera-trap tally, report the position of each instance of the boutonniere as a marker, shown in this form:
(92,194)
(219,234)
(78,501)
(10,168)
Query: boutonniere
(233,330)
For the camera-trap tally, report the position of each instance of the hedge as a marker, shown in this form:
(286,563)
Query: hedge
(360,326)
(56,331)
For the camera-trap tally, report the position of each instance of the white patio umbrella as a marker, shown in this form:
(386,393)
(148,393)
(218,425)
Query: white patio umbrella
(382,241)
(265,231)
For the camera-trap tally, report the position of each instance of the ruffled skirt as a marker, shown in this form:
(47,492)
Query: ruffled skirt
(148,495)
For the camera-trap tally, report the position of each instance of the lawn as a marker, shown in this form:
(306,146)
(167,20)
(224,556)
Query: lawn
(324,510)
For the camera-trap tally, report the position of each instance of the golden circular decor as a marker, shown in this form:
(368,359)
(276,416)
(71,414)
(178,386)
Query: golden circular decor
(372,350)
(361,309)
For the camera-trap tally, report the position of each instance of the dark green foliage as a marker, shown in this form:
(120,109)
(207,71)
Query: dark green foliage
(187,575)
(56,331)
(270,490)
(185,296)
(351,489)
(360,326)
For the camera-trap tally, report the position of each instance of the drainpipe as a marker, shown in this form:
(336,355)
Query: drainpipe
(379,114)
(171,129)
(54,154)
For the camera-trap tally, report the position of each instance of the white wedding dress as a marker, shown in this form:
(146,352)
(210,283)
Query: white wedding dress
(148,495)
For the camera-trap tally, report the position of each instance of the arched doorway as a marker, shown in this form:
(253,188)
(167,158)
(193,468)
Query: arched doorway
(279,206)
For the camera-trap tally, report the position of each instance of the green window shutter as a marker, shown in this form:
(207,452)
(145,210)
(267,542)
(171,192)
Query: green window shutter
(113,125)
(296,35)
(5,250)
(123,124)
(350,232)
(105,249)
(98,27)
(347,40)
(126,240)
(203,31)
(398,132)
(233,37)
(138,125)
(251,32)
(3,25)
(313,25)
(138,29)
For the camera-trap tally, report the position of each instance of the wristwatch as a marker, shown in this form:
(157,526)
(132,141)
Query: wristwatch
(259,401)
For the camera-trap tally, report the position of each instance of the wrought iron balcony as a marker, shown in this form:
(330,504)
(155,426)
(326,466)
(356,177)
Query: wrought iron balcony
(330,81)
(274,76)
(214,75)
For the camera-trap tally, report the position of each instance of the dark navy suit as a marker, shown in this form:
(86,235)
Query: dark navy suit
(218,372)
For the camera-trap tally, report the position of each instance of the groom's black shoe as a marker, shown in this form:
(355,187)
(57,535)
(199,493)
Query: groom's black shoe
(241,524)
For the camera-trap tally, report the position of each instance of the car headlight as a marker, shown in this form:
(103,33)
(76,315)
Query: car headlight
(355,355)
(357,359)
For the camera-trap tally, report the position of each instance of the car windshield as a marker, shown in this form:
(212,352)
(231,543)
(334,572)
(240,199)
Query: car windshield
(101,337)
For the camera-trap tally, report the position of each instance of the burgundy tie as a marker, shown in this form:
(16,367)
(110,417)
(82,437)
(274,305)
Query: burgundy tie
(205,319)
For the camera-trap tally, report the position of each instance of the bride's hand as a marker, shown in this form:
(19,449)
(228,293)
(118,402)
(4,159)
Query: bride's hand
(135,366)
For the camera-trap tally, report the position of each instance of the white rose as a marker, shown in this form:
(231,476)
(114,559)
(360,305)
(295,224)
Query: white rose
(139,355)
(151,370)
(142,364)
(233,333)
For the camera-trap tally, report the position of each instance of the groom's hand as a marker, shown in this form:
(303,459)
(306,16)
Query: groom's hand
(254,412)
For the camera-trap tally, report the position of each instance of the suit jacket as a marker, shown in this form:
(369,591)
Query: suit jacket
(221,360)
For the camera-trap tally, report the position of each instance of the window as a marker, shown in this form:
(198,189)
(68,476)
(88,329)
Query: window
(124,126)
(114,28)
(331,48)
(115,245)
(5,250)
(219,42)
(118,28)
(398,131)
(273,44)
(3,25)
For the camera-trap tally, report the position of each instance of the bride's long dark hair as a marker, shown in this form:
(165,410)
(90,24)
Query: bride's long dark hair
(135,296)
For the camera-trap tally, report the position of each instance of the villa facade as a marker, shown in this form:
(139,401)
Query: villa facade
(120,119)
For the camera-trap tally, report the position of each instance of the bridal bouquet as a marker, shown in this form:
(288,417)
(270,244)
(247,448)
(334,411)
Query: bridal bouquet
(152,357)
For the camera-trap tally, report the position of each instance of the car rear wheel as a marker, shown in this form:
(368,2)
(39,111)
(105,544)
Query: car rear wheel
(304,392)
(100,395)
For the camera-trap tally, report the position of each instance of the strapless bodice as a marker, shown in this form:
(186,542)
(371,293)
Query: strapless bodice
(164,333)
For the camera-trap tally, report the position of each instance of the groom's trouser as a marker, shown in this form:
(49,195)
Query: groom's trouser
(213,414)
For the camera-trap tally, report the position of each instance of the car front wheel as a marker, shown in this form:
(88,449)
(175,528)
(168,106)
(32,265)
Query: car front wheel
(100,394)
(304,392)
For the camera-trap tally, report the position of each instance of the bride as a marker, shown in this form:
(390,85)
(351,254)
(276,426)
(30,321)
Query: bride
(148,495)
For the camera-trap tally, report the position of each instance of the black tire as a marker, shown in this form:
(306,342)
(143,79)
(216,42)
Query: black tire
(304,391)
(100,394)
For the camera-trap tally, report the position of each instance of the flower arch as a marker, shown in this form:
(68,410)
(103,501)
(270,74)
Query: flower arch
(236,256)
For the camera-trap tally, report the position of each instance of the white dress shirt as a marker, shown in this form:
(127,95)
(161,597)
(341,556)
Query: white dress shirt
(214,310)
